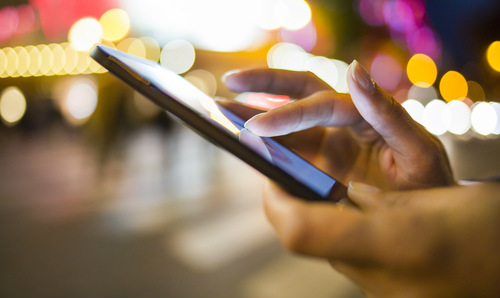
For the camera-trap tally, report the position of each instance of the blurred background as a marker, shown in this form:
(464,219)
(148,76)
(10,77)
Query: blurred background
(104,195)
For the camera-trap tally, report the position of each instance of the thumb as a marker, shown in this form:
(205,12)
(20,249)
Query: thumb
(384,113)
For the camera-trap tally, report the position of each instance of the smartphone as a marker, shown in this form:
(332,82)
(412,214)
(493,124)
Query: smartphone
(201,113)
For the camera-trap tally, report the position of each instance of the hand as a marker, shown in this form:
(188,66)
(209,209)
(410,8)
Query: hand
(440,242)
(365,136)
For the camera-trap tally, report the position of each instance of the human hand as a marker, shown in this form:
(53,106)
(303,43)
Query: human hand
(365,136)
(439,242)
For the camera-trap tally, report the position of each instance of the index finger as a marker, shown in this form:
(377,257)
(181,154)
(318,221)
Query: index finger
(296,84)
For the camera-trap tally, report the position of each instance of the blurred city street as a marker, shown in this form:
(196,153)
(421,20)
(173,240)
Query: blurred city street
(167,215)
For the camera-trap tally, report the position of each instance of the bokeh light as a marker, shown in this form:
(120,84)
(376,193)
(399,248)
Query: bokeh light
(76,98)
(23,59)
(415,109)
(287,56)
(372,12)
(35,60)
(137,48)
(423,95)
(399,16)
(305,37)
(483,118)
(386,71)
(459,117)
(294,14)
(11,65)
(324,68)
(493,55)
(153,50)
(9,20)
(178,56)
(85,33)
(342,67)
(424,41)
(204,80)
(453,86)
(12,105)
(421,70)
(49,60)
(475,91)
(273,14)
(3,63)
(434,118)
(59,56)
(115,24)
(496,107)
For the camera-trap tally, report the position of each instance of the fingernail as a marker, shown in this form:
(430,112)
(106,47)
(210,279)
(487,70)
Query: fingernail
(363,187)
(249,123)
(361,77)
(229,73)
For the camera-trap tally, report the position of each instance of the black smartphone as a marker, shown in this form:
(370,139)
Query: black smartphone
(201,113)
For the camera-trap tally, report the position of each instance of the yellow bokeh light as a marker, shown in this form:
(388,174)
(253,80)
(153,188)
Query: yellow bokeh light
(11,65)
(3,63)
(115,24)
(137,48)
(59,57)
(421,70)
(153,49)
(12,105)
(23,60)
(47,59)
(35,60)
(71,59)
(493,55)
(453,86)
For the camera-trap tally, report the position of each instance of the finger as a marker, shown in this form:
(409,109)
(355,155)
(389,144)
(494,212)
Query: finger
(325,108)
(318,229)
(384,113)
(364,195)
(241,110)
(296,84)
(411,144)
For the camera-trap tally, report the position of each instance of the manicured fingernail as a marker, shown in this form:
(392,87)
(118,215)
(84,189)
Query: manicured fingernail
(362,187)
(248,125)
(361,76)
(229,73)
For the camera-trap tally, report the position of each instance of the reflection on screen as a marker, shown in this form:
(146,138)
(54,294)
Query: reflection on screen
(183,91)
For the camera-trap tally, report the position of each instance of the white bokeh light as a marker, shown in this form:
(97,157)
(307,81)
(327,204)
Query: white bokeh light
(483,118)
(459,121)
(287,56)
(324,68)
(342,67)
(434,117)
(85,33)
(415,109)
(496,107)
(178,56)
(81,99)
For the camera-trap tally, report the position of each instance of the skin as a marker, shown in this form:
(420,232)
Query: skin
(366,136)
(411,230)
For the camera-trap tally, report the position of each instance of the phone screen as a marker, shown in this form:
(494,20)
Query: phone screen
(176,88)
